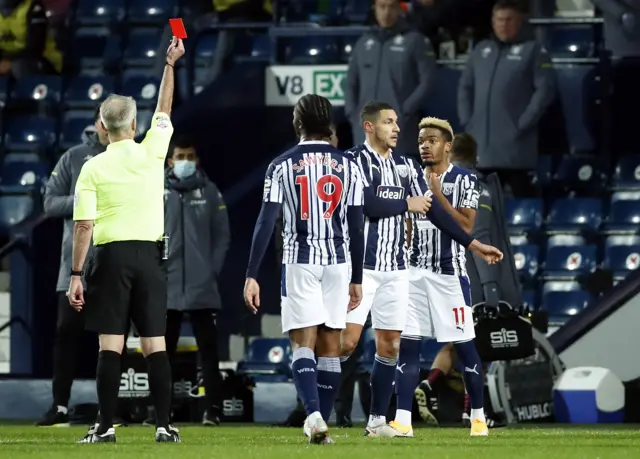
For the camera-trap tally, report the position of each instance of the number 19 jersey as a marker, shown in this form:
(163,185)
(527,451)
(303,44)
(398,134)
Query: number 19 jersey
(315,183)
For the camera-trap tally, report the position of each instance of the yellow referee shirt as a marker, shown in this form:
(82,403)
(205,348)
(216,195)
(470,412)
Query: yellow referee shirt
(122,189)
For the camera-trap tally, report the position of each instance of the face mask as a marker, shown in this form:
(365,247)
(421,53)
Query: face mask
(184,168)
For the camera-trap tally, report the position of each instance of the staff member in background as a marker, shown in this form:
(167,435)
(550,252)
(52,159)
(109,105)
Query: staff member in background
(58,202)
(122,191)
(393,63)
(196,221)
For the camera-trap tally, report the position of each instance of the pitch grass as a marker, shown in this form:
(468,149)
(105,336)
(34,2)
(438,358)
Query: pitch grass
(257,442)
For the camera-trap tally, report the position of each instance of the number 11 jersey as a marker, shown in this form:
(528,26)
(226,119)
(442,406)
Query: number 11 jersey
(315,183)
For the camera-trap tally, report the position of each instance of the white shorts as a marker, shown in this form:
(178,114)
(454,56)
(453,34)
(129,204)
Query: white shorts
(386,295)
(314,295)
(439,306)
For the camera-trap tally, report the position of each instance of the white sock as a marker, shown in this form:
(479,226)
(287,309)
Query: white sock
(375,421)
(62,409)
(313,417)
(478,413)
(403,417)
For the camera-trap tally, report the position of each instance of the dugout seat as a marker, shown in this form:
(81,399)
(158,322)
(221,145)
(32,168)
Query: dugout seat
(622,255)
(312,50)
(151,11)
(88,91)
(543,171)
(100,12)
(581,173)
(144,89)
(142,46)
(23,173)
(261,48)
(562,305)
(267,359)
(571,41)
(526,258)
(73,126)
(627,173)
(14,209)
(624,213)
(568,258)
(30,133)
(574,215)
(523,216)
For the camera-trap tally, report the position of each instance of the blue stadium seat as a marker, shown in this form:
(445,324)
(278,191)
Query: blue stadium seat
(143,121)
(29,133)
(143,89)
(14,209)
(87,91)
(205,49)
(562,305)
(622,255)
(95,48)
(567,261)
(543,171)
(268,359)
(526,258)
(142,47)
(529,299)
(523,215)
(357,10)
(571,41)
(23,173)
(40,88)
(627,173)
(624,213)
(151,11)
(261,47)
(313,50)
(100,12)
(574,215)
(581,172)
(73,126)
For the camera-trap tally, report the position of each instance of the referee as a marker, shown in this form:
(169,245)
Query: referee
(119,197)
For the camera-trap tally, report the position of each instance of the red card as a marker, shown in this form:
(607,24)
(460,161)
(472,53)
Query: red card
(177,27)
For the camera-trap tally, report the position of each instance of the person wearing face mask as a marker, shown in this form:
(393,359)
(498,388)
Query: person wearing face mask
(197,225)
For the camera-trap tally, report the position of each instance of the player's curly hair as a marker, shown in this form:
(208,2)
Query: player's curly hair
(442,125)
(313,116)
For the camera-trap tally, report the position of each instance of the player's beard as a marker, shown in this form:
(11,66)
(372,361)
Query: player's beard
(428,164)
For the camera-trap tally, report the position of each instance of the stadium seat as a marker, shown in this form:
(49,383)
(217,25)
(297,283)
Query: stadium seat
(261,47)
(41,88)
(205,49)
(568,261)
(143,121)
(312,50)
(529,299)
(143,89)
(526,258)
(627,173)
(571,41)
(563,305)
(523,215)
(74,125)
(575,215)
(543,171)
(624,213)
(581,172)
(29,133)
(23,173)
(268,359)
(95,49)
(622,255)
(4,86)
(357,10)
(87,91)
(151,11)
(14,209)
(142,47)
(100,12)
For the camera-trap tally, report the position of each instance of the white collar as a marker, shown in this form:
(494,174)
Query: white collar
(371,150)
(313,142)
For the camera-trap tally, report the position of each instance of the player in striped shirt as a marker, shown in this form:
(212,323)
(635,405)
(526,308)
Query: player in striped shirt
(320,191)
(439,291)
(394,186)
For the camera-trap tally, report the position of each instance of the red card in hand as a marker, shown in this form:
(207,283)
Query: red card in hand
(177,27)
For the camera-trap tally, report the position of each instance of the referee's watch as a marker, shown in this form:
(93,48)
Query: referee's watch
(77,273)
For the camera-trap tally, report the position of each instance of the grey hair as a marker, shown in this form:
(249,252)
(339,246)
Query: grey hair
(118,112)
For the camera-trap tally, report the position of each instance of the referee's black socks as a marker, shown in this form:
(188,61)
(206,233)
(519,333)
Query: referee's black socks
(107,385)
(159,370)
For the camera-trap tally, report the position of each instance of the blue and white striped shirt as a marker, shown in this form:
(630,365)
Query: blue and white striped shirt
(430,247)
(315,183)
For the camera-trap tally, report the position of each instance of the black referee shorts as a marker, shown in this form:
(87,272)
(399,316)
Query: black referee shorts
(126,280)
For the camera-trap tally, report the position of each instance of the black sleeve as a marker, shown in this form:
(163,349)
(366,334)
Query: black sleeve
(38,26)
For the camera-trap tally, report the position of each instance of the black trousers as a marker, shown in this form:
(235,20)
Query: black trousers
(203,322)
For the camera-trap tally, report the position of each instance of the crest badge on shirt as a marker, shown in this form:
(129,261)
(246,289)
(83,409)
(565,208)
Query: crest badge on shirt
(486,51)
(369,44)
(447,188)
(197,194)
(403,171)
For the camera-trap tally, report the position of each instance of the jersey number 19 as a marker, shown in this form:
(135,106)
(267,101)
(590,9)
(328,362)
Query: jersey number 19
(329,190)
